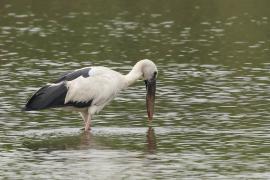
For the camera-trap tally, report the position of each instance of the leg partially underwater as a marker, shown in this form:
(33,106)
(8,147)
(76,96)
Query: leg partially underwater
(87,120)
(87,126)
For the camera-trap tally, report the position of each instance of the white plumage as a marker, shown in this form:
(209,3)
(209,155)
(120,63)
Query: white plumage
(88,90)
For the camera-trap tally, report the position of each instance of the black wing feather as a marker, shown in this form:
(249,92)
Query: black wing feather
(48,96)
(73,75)
(79,104)
(52,96)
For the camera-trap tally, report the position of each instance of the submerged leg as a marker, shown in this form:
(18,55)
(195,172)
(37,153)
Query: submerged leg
(87,126)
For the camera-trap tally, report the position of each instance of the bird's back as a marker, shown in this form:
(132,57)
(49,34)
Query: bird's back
(101,86)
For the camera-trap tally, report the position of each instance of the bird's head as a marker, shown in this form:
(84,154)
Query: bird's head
(149,71)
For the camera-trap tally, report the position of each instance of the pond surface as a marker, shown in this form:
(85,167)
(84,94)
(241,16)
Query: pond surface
(213,92)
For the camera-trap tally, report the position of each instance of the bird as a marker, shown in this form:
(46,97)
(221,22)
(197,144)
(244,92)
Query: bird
(88,90)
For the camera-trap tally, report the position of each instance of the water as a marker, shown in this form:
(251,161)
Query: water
(213,92)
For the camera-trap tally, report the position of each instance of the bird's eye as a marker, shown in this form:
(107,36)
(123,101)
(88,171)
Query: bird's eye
(155,73)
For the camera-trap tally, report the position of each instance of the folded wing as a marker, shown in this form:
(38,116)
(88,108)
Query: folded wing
(54,95)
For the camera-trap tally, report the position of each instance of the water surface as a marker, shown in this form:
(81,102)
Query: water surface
(213,91)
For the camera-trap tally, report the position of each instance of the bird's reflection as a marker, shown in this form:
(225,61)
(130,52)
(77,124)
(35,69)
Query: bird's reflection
(151,140)
(89,140)
(86,140)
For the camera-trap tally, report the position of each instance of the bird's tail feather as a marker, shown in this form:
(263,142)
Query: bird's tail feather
(49,96)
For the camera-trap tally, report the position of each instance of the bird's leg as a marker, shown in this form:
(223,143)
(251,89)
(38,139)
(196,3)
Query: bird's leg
(87,126)
(84,116)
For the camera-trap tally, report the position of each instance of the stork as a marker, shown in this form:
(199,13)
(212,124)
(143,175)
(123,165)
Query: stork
(89,89)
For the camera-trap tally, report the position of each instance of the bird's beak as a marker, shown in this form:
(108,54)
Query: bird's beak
(150,97)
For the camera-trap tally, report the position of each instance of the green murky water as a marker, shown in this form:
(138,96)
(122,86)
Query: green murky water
(213,92)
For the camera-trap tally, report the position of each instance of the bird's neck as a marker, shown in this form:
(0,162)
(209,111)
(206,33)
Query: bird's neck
(133,75)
